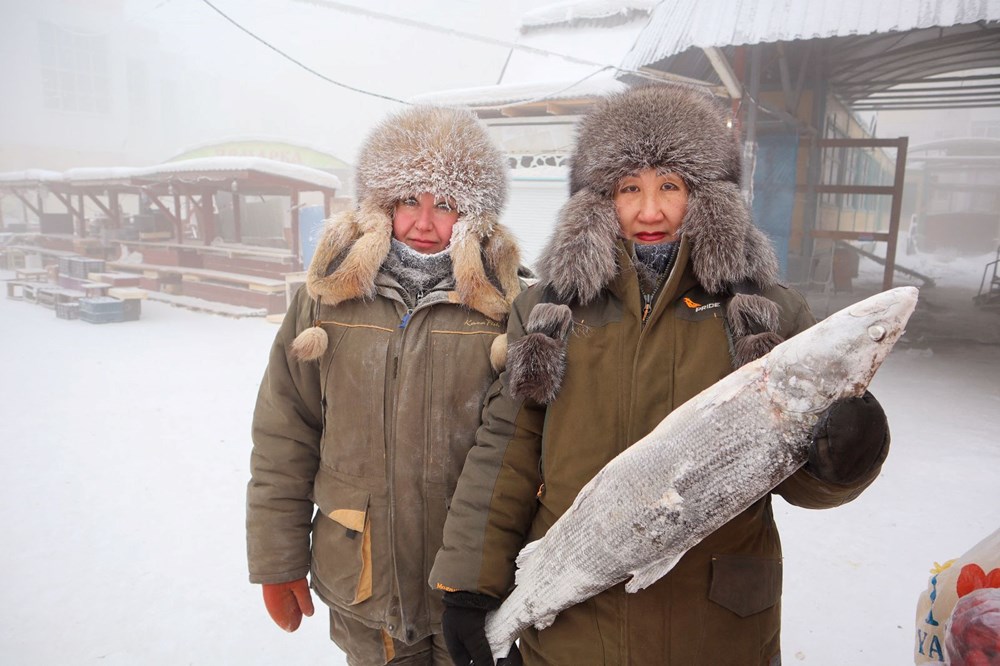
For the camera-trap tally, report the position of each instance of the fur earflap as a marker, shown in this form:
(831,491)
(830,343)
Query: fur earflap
(537,362)
(310,344)
(474,261)
(580,259)
(354,245)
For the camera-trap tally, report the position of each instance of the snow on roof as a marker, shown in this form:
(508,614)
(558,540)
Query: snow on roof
(30,175)
(254,139)
(229,163)
(199,166)
(678,25)
(575,11)
(602,83)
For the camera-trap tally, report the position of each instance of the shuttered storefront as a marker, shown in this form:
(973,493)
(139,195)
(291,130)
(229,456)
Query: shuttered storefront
(532,209)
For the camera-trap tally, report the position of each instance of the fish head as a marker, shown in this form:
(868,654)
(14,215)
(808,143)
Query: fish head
(837,358)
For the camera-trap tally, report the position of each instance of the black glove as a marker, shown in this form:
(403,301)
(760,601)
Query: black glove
(849,441)
(464,626)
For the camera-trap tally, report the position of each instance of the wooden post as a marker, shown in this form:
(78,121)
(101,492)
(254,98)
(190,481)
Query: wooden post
(83,215)
(116,209)
(296,244)
(207,210)
(897,204)
(41,207)
(178,219)
(237,221)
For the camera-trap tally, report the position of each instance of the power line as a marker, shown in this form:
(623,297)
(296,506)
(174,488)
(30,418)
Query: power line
(457,33)
(302,64)
(352,9)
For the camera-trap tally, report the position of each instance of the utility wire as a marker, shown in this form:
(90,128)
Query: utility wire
(353,9)
(302,64)
(364,12)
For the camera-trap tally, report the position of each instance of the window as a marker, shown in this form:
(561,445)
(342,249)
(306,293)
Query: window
(75,70)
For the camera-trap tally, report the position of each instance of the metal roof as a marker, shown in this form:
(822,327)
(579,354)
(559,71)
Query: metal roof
(867,47)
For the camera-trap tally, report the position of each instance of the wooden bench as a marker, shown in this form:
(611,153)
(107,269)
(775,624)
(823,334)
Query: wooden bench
(32,274)
(251,282)
(15,289)
(219,286)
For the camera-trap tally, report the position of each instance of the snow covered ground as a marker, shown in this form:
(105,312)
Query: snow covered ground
(124,456)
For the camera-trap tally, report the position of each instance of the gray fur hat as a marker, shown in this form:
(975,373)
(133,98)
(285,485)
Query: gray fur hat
(668,128)
(444,151)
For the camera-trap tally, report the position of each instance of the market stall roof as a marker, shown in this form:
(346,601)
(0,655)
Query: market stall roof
(252,174)
(875,55)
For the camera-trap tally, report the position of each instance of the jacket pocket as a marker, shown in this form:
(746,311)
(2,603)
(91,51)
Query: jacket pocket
(342,540)
(745,584)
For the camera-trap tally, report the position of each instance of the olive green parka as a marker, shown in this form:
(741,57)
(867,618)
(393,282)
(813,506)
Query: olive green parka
(559,414)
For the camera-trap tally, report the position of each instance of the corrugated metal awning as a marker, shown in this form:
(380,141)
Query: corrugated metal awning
(866,46)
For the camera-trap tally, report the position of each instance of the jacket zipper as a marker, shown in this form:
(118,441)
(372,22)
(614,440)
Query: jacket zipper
(409,312)
(647,299)
(391,438)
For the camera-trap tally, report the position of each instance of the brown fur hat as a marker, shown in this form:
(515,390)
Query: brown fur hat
(448,153)
(444,151)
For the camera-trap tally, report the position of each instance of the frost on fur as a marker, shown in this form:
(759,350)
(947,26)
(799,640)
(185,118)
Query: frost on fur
(552,319)
(310,344)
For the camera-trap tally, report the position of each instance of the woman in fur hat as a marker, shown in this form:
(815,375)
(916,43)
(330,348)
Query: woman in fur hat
(654,285)
(373,390)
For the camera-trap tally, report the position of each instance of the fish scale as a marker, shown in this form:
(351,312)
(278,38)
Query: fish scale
(707,461)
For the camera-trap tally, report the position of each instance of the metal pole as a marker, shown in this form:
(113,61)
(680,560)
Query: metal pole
(750,141)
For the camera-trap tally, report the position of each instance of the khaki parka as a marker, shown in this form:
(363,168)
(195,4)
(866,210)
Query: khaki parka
(357,451)
(371,398)
(721,603)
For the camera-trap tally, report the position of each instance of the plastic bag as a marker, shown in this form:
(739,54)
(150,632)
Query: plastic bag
(972,633)
(979,568)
